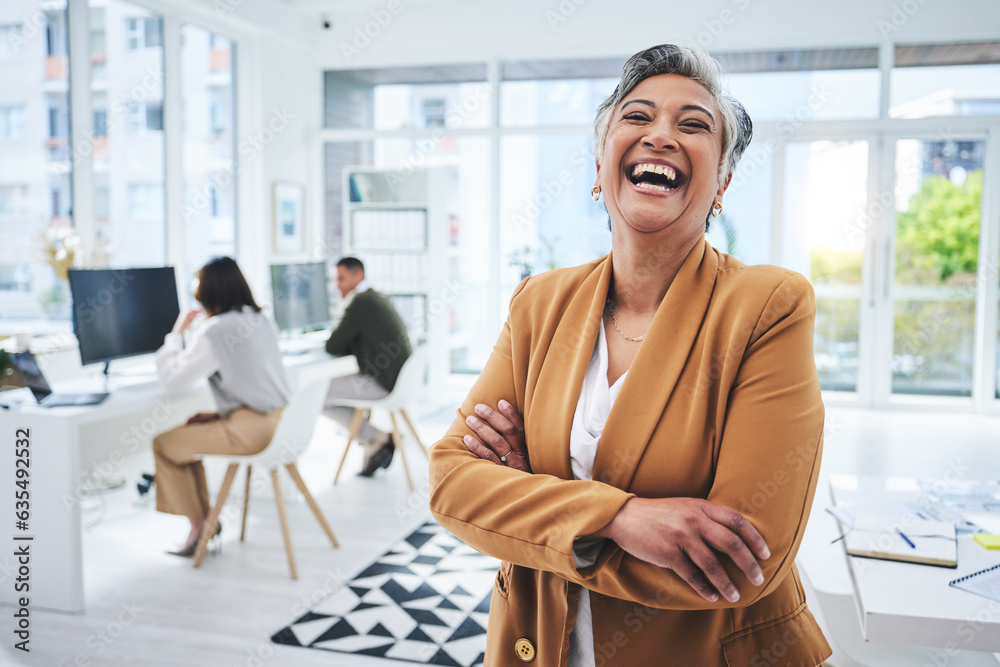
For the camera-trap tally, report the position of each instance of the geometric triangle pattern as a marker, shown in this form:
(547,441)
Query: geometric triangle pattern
(426,600)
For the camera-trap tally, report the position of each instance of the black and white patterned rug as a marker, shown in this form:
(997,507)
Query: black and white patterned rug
(426,600)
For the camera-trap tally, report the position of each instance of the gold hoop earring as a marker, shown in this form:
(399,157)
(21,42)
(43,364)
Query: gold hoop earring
(595,192)
(717,209)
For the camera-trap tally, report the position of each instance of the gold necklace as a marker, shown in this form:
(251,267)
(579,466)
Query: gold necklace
(611,309)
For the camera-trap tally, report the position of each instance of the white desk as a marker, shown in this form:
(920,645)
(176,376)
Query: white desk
(901,603)
(57,435)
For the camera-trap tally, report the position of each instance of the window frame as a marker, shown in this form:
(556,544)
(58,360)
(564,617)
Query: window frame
(984,399)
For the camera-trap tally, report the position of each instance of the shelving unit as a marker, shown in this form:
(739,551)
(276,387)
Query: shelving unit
(396,223)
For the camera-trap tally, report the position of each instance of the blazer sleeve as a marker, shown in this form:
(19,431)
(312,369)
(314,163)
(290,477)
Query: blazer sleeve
(772,436)
(768,461)
(523,518)
(341,340)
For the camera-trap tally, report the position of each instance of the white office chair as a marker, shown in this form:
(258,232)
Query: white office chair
(294,431)
(408,385)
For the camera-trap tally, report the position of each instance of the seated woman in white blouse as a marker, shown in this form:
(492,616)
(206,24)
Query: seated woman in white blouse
(237,350)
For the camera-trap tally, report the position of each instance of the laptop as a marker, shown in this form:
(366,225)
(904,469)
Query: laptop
(31,375)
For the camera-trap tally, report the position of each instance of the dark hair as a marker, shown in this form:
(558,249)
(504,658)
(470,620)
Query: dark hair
(222,287)
(352,264)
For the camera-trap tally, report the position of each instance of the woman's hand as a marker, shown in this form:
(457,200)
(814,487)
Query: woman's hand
(501,436)
(688,535)
(203,418)
(185,319)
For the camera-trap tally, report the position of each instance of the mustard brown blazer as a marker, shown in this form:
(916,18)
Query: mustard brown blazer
(721,402)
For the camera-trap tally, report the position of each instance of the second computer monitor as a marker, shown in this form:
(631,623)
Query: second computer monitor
(300,295)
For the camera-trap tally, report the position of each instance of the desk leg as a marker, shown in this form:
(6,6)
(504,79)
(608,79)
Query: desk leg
(56,552)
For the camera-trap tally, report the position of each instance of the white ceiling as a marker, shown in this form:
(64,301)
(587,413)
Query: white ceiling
(334,9)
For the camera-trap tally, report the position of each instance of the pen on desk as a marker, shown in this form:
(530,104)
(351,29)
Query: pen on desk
(906,539)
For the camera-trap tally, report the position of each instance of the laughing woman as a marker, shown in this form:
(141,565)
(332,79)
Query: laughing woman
(613,451)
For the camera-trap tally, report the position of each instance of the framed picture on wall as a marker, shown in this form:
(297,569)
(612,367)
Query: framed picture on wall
(289,218)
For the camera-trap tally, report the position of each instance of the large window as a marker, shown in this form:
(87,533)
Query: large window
(208,119)
(127,135)
(35,170)
(810,193)
(939,191)
(946,80)
(793,87)
(121,144)
(823,240)
(406,98)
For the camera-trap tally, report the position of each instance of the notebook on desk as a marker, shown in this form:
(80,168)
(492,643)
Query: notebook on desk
(911,541)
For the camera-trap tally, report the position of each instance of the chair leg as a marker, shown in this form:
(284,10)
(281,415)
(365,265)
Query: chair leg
(355,429)
(401,450)
(208,532)
(406,418)
(293,472)
(283,516)
(246,504)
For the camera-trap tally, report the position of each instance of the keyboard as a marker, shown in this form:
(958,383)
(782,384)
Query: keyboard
(301,346)
(62,400)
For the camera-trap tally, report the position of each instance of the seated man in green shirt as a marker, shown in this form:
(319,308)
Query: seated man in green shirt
(373,332)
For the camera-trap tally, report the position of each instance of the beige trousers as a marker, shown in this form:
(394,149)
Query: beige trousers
(180,477)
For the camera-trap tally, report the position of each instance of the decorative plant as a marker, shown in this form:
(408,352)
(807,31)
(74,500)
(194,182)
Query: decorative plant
(522,260)
(61,251)
(6,369)
(60,248)
(525,259)
(729,228)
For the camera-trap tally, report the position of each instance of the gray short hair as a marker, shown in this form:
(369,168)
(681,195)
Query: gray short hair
(696,65)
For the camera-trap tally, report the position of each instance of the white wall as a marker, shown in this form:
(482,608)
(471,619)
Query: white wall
(278,93)
(454,31)
(281,118)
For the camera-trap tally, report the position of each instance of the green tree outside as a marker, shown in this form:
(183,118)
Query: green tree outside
(937,246)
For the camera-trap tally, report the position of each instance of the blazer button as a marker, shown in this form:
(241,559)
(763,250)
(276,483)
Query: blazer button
(524,650)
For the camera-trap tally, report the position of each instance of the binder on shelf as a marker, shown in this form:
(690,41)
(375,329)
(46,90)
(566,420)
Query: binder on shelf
(399,230)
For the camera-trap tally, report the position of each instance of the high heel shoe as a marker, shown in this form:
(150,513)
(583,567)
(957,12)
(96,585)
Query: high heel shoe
(144,484)
(214,543)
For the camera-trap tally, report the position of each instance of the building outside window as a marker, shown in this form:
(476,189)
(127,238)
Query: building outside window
(143,33)
(10,50)
(11,123)
(35,193)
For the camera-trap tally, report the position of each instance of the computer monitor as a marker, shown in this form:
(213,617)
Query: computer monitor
(122,312)
(301,300)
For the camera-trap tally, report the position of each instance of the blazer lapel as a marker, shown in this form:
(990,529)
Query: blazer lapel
(561,378)
(653,374)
